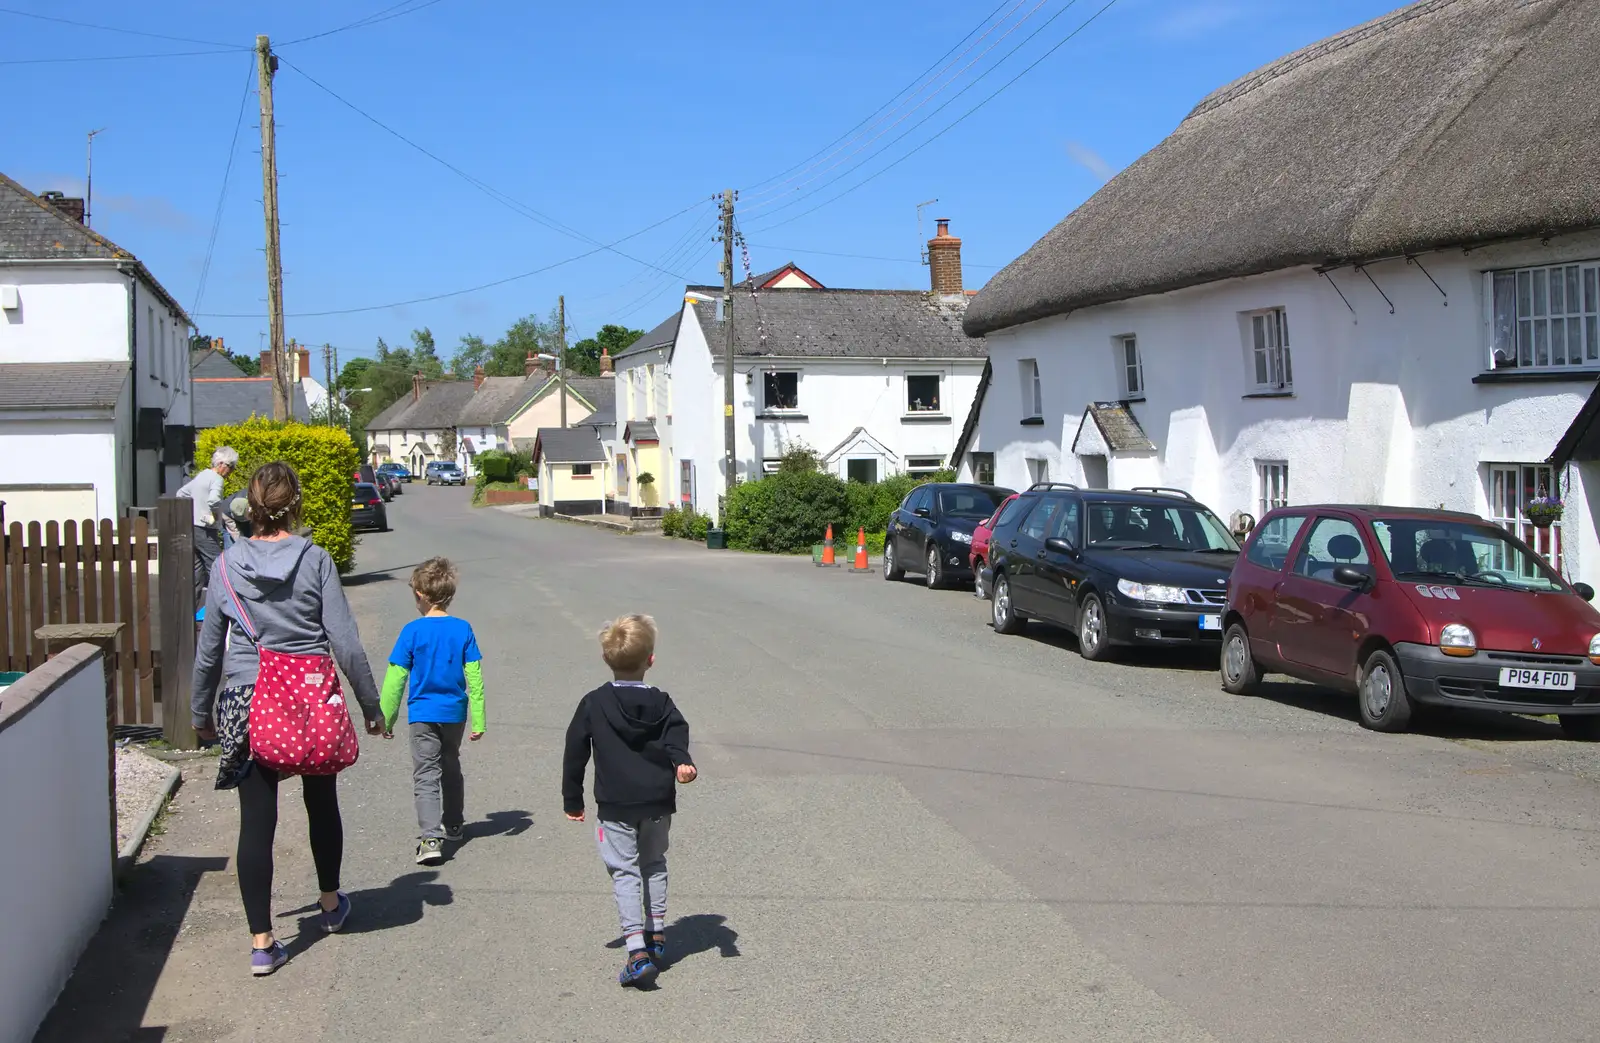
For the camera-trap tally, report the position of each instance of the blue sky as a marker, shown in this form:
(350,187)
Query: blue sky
(602,119)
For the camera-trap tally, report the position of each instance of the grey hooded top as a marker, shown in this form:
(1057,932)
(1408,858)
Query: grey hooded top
(290,589)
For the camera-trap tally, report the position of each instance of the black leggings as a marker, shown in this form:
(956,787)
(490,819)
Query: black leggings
(258,824)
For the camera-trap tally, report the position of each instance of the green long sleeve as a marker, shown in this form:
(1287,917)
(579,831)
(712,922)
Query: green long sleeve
(394,689)
(474,671)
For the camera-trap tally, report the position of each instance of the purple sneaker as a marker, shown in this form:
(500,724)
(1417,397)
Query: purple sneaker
(264,961)
(333,919)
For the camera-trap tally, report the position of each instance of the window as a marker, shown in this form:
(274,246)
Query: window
(781,390)
(967,502)
(1269,351)
(861,471)
(982,465)
(1041,522)
(1272,485)
(1546,318)
(1132,367)
(686,483)
(1032,389)
(1333,542)
(161,351)
(1038,470)
(922,394)
(1119,524)
(770,465)
(923,464)
(152,351)
(1511,486)
(1008,513)
(622,474)
(918,498)
(582,470)
(1270,548)
(1460,552)
(1065,524)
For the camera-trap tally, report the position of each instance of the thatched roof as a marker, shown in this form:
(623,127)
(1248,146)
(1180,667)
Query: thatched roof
(1446,123)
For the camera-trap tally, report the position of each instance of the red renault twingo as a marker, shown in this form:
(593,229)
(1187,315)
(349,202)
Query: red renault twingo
(1407,607)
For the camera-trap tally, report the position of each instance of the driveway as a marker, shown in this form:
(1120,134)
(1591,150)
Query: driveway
(908,827)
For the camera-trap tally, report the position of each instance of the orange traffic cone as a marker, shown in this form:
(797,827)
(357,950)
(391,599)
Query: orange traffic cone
(861,552)
(828,561)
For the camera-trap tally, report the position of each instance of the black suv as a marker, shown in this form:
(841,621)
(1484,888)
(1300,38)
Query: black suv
(931,531)
(1143,566)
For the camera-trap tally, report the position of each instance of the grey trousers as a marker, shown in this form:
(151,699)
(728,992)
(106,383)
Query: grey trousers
(436,776)
(207,545)
(636,855)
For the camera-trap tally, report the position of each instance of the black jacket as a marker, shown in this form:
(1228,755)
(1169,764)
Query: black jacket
(638,738)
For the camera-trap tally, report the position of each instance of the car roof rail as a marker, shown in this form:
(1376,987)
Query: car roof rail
(1036,486)
(1164,489)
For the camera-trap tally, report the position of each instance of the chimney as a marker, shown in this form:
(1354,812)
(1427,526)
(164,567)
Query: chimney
(477,378)
(531,366)
(606,367)
(68,206)
(944,261)
(269,367)
(217,345)
(416,386)
(304,355)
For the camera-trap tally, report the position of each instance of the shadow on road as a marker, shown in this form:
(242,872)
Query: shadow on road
(498,824)
(106,998)
(695,934)
(400,904)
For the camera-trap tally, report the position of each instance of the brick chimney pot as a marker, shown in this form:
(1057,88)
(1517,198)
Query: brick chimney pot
(944,261)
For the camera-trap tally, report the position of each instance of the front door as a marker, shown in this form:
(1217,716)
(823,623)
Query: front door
(1320,623)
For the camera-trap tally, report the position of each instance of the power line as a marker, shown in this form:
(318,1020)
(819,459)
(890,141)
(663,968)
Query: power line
(117,57)
(384,15)
(861,257)
(115,29)
(489,190)
(222,194)
(456,293)
(953,124)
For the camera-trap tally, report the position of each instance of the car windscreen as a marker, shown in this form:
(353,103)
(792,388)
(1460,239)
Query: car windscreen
(1461,552)
(968,502)
(1117,525)
(366,491)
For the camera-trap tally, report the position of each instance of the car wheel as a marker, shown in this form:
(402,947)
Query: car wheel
(935,576)
(1581,727)
(977,578)
(1092,639)
(891,569)
(1240,675)
(1382,694)
(1006,618)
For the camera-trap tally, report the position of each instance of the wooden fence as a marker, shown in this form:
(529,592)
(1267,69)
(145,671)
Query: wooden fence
(100,572)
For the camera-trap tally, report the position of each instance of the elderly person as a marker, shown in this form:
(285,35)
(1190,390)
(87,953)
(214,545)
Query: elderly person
(288,588)
(204,490)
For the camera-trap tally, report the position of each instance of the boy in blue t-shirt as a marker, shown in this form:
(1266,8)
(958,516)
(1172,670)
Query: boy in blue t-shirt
(436,658)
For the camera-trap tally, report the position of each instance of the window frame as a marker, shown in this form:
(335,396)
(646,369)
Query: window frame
(925,467)
(587,472)
(982,465)
(1298,520)
(1505,486)
(1266,486)
(1032,389)
(1296,561)
(1516,335)
(1271,361)
(872,461)
(937,408)
(1132,380)
(767,405)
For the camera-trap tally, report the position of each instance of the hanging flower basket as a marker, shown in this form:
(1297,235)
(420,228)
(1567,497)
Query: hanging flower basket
(1544,510)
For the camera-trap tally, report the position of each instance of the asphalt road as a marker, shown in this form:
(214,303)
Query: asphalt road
(907,828)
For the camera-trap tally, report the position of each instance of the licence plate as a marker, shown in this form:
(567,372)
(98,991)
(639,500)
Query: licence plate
(1551,680)
(1210,622)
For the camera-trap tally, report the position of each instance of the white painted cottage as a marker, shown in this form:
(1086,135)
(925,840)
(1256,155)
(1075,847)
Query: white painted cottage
(1369,272)
(875,381)
(96,410)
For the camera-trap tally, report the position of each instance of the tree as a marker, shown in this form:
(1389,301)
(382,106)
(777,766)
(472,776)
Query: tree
(423,355)
(447,444)
(583,358)
(249,365)
(352,377)
(473,352)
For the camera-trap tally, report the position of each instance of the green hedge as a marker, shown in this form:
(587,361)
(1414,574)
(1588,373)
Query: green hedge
(685,524)
(325,459)
(786,512)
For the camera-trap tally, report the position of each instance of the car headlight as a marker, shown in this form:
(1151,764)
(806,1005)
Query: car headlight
(1160,593)
(1458,640)
(1594,650)
(961,537)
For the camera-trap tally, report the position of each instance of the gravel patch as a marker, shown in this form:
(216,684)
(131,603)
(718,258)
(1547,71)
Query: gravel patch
(143,784)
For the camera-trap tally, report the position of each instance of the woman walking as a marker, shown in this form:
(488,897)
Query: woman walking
(288,591)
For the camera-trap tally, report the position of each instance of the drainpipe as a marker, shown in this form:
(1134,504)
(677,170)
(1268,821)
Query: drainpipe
(133,377)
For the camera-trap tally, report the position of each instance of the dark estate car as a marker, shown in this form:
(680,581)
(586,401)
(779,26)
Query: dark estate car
(400,471)
(1146,566)
(1406,607)
(931,531)
(367,510)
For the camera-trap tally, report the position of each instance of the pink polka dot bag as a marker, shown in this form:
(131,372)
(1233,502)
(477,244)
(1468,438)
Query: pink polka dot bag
(299,723)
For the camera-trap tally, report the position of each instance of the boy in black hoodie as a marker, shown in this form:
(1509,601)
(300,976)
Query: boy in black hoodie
(641,749)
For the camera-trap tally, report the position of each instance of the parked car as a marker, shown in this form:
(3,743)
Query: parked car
(399,470)
(367,510)
(931,531)
(1405,608)
(980,545)
(1147,566)
(386,472)
(442,472)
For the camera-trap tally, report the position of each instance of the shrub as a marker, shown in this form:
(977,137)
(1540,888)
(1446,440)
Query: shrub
(495,466)
(785,512)
(685,524)
(696,526)
(325,459)
(672,521)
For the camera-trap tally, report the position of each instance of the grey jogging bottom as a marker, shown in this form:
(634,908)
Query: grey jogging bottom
(636,854)
(436,777)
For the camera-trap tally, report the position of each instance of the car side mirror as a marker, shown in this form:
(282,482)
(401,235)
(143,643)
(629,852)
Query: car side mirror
(922,512)
(1349,576)
(1060,546)
(1584,591)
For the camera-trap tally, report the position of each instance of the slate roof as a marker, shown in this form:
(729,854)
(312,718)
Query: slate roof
(210,364)
(605,416)
(1445,123)
(499,399)
(664,335)
(640,431)
(842,324)
(569,445)
(61,385)
(441,403)
(233,400)
(33,230)
(599,392)
(1120,428)
(783,269)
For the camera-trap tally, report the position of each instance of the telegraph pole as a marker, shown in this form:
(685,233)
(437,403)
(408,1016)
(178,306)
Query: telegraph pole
(730,474)
(561,355)
(282,397)
(88,180)
(327,368)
